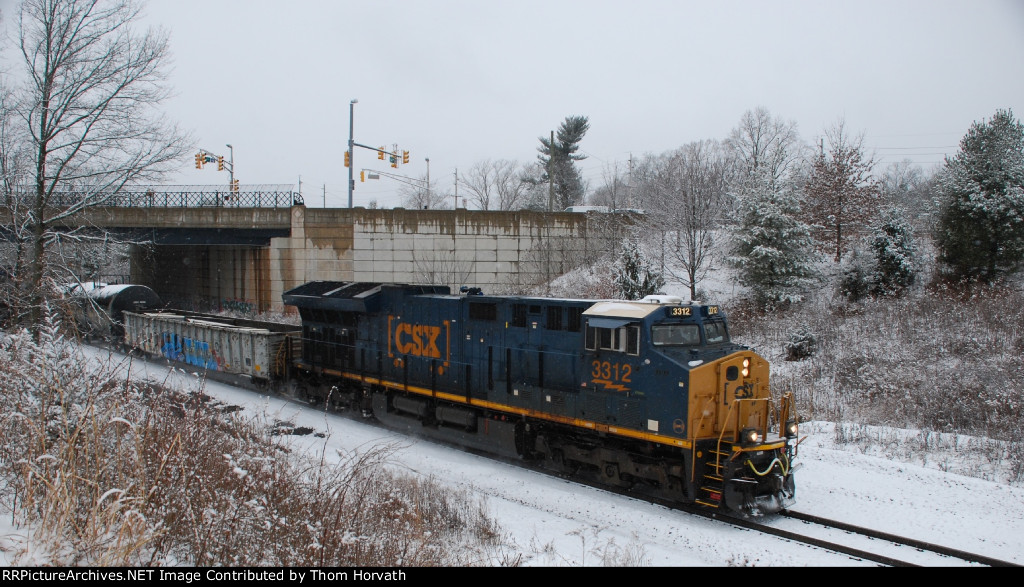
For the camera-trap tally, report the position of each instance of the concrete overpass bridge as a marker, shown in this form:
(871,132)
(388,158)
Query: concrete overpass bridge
(203,246)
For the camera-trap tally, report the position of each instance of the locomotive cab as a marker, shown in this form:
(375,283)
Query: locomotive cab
(710,395)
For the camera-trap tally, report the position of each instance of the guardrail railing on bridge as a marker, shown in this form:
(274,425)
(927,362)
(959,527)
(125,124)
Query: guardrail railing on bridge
(185,196)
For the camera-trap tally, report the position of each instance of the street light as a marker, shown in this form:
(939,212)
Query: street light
(351,162)
(231,167)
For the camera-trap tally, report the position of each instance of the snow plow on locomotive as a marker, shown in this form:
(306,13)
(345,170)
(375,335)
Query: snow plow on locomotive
(650,394)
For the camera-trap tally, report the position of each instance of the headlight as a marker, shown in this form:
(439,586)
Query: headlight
(746,367)
(792,429)
(751,437)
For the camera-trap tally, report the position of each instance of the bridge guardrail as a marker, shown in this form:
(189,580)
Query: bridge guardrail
(247,196)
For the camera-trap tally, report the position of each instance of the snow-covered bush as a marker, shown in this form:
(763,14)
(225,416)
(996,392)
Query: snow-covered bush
(635,277)
(801,344)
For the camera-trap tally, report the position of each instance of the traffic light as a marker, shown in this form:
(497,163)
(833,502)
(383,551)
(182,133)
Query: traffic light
(234,185)
(348,158)
(380,153)
(405,156)
(199,160)
(220,163)
(362,176)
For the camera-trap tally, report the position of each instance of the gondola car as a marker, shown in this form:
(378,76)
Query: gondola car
(648,395)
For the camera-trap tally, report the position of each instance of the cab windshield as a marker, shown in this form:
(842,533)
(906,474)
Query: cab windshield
(716,332)
(675,335)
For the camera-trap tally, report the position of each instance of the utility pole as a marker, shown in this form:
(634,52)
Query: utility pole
(428,178)
(456,189)
(629,186)
(231,168)
(551,174)
(351,163)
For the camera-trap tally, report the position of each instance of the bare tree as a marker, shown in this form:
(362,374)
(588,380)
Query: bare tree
(615,192)
(693,184)
(420,195)
(13,176)
(643,181)
(841,194)
(766,146)
(443,268)
(496,185)
(88,109)
(907,186)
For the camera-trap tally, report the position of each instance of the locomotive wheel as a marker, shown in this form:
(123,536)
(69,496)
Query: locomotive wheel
(562,464)
(611,471)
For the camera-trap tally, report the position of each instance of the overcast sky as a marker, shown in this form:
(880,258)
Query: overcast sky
(459,82)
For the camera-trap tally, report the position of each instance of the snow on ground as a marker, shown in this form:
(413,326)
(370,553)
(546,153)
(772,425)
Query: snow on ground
(552,522)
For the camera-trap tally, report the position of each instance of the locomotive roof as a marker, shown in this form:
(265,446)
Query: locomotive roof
(349,296)
(622,309)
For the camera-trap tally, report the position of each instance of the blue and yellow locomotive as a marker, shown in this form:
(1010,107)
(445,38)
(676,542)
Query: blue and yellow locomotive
(649,395)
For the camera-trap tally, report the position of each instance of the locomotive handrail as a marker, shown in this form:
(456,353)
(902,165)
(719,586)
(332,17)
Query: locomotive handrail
(786,405)
(737,429)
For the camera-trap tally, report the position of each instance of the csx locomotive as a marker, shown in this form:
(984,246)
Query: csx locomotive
(647,395)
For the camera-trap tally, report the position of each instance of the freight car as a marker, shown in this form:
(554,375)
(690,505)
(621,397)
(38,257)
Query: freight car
(651,396)
(99,308)
(238,351)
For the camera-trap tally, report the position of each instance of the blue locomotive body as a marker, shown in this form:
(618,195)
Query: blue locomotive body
(650,394)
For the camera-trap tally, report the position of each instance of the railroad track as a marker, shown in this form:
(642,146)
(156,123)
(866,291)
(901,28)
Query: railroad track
(873,545)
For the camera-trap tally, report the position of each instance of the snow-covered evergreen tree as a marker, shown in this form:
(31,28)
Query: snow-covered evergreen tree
(980,233)
(773,247)
(635,277)
(895,253)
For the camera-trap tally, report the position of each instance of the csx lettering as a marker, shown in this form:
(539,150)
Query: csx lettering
(418,340)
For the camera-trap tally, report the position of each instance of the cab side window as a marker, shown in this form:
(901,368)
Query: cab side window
(624,340)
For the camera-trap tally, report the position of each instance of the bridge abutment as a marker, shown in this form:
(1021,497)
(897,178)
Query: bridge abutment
(246,259)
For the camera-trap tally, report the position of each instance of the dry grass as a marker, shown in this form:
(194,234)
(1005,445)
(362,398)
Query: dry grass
(100,472)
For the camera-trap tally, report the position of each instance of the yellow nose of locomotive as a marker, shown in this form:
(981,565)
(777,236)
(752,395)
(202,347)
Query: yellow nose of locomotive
(730,395)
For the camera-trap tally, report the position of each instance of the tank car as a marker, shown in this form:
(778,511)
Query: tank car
(99,308)
(650,396)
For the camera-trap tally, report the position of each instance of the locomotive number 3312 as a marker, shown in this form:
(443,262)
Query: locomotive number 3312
(612,372)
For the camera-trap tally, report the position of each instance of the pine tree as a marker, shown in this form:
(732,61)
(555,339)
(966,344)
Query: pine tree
(559,158)
(980,233)
(895,254)
(635,277)
(772,250)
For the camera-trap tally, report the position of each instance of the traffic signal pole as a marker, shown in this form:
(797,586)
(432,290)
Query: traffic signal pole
(351,163)
(396,156)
